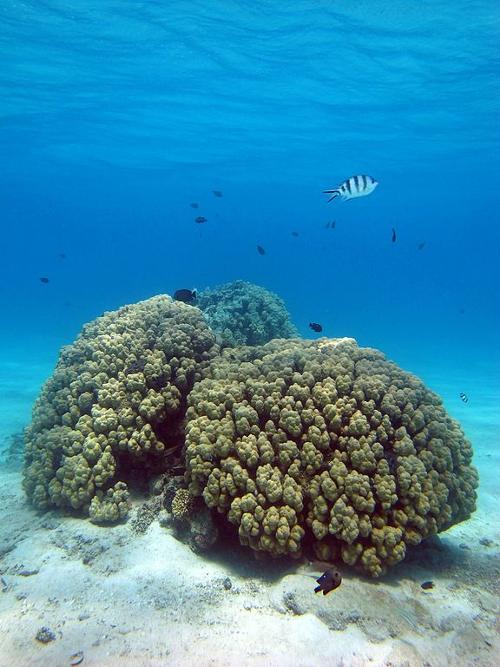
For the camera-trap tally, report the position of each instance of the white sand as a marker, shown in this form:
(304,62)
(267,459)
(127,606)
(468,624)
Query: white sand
(148,600)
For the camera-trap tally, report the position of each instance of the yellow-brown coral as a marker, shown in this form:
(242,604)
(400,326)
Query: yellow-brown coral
(182,504)
(115,401)
(329,443)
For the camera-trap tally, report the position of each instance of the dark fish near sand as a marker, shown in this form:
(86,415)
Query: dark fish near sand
(464,397)
(200,219)
(295,233)
(315,327)
(76,659)
(328,582)
(427,585)
(194,204)
(261,250)
(393,237)
(354,186)
(185,295)
(217,193)
(44,280)
(421,246)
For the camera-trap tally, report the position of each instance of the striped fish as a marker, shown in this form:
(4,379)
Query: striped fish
(355,186)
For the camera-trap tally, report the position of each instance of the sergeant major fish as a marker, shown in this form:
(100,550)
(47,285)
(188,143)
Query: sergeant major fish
(354,186)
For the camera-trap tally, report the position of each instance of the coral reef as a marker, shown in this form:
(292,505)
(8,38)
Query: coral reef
(326,443)
(182,504)
(115,403)
(299,444)
(110,506)
(190,519)
(242,313)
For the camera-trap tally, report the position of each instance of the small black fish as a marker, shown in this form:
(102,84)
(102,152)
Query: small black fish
(185,295)
(421,246)
(426,585)
(76,659)
(328,582)
(295,233)
(464,397)
(217,193)
(393,237)
(315,327)
(333,224)
(44,280)
(194,204)
(200,219)
(261,250)
(62,255)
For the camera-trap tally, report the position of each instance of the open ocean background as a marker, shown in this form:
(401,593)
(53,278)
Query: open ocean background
(114,116)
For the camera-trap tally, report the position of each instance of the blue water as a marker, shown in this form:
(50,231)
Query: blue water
(114,116)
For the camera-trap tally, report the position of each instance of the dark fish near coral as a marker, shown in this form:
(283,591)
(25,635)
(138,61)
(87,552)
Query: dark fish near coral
(421,246)
(261,250)
(315,327)
(426,585)
(295,233)
(200,219)
(136,366)
(185,295)
(194,204)
(217,193)
(44,280)
(393,237)
(464,397)
(328,582)
(354,186)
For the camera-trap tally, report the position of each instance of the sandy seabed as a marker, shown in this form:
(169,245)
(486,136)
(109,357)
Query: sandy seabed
(113,597)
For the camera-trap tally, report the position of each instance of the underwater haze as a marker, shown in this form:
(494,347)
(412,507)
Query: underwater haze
(116,116)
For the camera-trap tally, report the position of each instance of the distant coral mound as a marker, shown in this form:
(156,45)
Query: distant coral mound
(241,313)
(327,443)
(115,403)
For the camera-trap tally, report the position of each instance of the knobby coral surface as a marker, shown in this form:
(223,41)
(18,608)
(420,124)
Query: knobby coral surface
(242,313)
(116,401)
(328,443)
